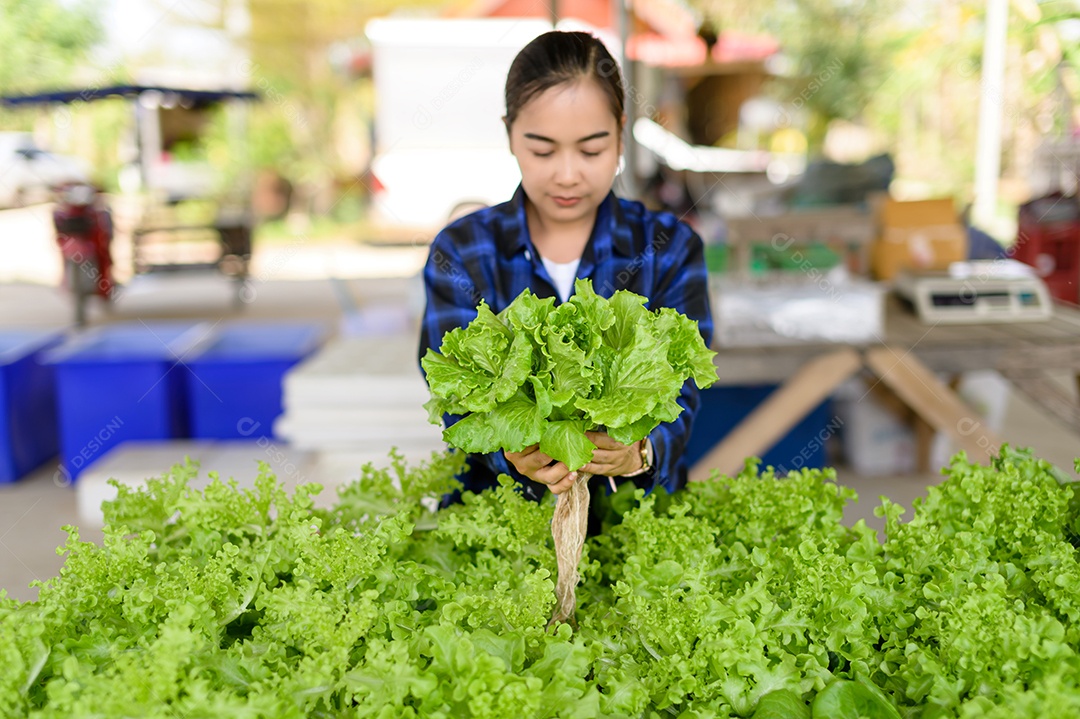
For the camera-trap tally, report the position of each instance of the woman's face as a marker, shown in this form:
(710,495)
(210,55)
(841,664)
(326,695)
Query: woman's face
(567,144)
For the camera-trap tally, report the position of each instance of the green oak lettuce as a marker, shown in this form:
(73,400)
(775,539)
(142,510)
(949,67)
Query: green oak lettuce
(745,596)
(537,373)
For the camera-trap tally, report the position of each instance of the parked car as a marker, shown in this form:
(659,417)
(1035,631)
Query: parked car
(28,173)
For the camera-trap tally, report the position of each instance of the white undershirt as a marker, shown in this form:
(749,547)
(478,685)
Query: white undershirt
(563,275)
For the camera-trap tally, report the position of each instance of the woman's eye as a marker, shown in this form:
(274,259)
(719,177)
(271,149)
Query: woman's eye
(543,154)
(590,154)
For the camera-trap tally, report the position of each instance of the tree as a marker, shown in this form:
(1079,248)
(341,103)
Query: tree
(843,52)
(43,41)
(289,45)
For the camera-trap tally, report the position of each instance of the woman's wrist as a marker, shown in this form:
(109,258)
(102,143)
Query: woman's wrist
(645,450)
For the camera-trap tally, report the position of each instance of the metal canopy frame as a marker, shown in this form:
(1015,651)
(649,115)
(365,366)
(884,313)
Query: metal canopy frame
(185,96)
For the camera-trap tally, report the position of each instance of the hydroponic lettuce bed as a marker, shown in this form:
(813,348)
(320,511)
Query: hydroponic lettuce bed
(253,604)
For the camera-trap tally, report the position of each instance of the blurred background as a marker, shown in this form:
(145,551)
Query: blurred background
(362,110)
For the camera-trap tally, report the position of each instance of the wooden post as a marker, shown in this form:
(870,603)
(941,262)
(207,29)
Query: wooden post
(1040,386)
(932,399)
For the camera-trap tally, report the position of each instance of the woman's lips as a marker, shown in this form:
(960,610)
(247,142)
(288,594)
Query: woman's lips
(566,201)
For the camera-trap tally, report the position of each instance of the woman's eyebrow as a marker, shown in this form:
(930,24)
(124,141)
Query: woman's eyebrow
(594,136)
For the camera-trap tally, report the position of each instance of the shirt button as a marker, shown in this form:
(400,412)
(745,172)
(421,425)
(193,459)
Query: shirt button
(528,255)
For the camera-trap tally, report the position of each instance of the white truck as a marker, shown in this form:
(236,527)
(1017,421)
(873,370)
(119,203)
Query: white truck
(440,144)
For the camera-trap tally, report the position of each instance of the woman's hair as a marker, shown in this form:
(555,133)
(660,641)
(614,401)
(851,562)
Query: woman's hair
(555,58)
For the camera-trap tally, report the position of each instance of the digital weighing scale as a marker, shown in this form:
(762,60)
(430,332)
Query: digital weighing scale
(977,292)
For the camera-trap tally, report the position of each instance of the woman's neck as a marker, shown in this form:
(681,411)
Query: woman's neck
(558,242)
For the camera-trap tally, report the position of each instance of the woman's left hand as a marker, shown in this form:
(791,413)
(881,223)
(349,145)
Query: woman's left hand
(611,458)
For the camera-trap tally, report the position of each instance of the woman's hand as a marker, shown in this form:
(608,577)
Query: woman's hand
(611,458)
(541,468)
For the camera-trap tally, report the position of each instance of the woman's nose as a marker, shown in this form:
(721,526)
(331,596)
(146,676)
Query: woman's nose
(567,169)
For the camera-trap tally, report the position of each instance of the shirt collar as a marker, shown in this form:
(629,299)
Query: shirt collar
(610,227)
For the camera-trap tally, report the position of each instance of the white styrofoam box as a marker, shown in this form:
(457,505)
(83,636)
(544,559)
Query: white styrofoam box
(875,441)
(133,463)
(315,433)
(358,372)
(812,307)
(360,417)
(986,392)
(336,468)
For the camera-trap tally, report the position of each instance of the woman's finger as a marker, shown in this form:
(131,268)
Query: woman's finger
(603,441)
(564,484)
(528,461)
(537,460)
(551,475)
(518,456)
(609,456)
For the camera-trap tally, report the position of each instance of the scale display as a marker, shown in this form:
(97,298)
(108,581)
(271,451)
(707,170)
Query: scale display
(977,292)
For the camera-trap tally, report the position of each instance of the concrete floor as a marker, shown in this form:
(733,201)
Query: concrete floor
(33,510)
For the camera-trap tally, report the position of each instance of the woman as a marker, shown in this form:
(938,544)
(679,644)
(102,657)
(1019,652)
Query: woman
(564,120)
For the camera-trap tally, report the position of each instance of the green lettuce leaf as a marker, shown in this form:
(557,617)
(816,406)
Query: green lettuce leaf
(634,382)
(540,373)
(630,313)
(513,425)
(565,440)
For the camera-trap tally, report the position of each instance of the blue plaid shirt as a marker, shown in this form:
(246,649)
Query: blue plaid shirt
(488,255)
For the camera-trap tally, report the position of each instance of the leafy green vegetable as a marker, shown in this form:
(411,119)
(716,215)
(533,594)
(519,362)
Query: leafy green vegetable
(536,373)
(745,596)
(781,704)
(846,699)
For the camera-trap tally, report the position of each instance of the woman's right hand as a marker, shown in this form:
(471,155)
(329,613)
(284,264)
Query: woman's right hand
(541,468)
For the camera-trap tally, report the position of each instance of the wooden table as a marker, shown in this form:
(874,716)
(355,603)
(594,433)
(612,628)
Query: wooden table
(907,361)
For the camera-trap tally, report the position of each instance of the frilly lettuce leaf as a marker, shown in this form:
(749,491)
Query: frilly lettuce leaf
(537,373)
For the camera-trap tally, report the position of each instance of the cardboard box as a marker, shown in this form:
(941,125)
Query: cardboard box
(920,235)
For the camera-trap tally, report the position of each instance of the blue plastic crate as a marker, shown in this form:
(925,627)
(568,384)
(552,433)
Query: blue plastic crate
(722,408)
(121,382)
(28,434)
(234,391)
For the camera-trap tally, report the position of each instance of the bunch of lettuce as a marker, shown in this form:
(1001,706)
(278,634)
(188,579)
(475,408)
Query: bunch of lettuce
(537,373)
(741,597)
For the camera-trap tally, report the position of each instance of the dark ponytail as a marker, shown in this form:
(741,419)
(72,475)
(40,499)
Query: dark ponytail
(555,58)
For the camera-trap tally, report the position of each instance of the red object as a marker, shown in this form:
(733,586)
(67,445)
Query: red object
(663,33)
(1048,239)
(84,232)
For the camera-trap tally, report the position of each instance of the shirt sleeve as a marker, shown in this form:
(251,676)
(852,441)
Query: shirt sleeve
(452,296)
(682,285)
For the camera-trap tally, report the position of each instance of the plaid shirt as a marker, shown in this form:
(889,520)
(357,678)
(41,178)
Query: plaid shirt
(488,255)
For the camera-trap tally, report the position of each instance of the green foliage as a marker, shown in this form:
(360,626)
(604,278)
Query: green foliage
(781,704)
(536,373)
(843,52)
(45,40)
(743,596)
(847,699)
